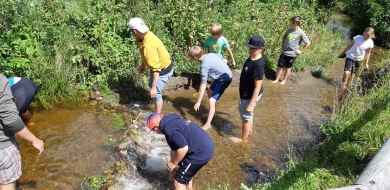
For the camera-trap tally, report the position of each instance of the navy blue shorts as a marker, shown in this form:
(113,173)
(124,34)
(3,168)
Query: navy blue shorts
(186,171)
(351,65)
(24,92)
(286,61)
(218,88)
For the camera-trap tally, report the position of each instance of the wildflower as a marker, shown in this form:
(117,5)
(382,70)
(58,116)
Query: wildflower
(284,8)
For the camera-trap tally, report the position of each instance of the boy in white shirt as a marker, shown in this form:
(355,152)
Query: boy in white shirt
(357,50)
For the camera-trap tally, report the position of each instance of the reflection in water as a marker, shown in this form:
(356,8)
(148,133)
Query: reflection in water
(74,139)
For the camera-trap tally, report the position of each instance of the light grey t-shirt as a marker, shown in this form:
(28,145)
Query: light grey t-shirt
(214,67)
(292,41)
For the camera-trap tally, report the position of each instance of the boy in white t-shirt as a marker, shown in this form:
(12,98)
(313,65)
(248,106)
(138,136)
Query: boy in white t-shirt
(359,47)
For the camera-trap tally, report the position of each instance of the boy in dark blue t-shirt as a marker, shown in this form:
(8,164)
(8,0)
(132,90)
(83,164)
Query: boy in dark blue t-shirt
(191,147)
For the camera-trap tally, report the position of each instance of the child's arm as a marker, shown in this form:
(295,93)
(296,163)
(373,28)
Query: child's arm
(303,49)
(348,47)
(176,157)
(231,56)
(255,94)
(368,52)
(202,89)
(206,50)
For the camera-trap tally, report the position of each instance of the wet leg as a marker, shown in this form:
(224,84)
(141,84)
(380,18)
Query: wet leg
(286,74)
(10,186)
(278,74)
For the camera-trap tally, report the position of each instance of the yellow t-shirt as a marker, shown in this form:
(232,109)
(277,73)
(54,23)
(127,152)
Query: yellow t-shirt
(153,52)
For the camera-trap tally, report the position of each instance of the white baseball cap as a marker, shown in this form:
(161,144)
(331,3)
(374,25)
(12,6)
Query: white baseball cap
(137,24)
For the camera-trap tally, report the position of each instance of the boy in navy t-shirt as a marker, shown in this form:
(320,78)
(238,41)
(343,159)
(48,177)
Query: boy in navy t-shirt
(191,147)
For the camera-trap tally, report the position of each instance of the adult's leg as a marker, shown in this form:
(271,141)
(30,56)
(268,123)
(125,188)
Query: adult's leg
(287,72)
(158,105)
(10,186)
(278,74)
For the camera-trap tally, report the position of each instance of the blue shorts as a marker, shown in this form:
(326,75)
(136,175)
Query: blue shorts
(243,104)
(10,164)
(160,83)
(218,88)
(286,61)
(351,65)
(186,171)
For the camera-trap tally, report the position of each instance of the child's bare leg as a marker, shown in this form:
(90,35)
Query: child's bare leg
(179,186)
(246,129)
(278,74)
(287,72)
(26,116)
(10,186)
(212,102)
(189,185)
(345,79)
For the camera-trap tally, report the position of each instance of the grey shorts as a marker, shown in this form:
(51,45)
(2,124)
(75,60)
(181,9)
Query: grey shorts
(10,164)
(243,104)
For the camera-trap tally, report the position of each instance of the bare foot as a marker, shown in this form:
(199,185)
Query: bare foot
(283,82)
(205,127)
(30,123)
(275,81)
(250,133)
(235,139)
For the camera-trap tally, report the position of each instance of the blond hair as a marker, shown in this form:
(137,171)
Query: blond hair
(369,31)
(195,51)
(216,29)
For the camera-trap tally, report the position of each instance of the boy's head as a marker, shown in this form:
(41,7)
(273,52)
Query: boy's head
(195,53)
(153,122)
(369,32)
(255,44)
(216,31)
(295,21)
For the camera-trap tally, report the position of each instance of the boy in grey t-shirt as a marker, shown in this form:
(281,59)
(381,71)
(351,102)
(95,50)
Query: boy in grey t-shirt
(290,48)
(212,67)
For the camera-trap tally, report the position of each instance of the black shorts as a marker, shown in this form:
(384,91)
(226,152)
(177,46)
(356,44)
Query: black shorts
(186,171)
(24,91)
(351,65)
(286,61)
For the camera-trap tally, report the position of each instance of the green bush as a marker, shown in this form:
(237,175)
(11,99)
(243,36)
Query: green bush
(67,46)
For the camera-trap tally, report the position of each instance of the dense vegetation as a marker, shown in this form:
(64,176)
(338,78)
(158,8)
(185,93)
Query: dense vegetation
(66,46)
(366,13)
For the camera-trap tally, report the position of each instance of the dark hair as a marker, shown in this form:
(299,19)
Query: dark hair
(296,20)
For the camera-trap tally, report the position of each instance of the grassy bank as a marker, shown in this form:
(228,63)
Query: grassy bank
(67,46)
